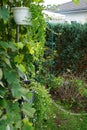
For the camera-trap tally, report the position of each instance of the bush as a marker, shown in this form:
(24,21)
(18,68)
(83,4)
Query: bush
(70,42)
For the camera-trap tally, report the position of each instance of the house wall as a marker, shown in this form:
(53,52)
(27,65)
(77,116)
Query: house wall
(78,17)
(53,17)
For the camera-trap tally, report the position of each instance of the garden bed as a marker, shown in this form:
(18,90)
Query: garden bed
(70,101)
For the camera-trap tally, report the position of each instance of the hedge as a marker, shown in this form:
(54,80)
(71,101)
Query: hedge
(69,41)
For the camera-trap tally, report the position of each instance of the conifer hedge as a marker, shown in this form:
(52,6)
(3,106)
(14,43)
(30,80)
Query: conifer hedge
(69,41)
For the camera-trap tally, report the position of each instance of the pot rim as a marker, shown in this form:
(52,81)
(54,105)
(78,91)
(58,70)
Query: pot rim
(20,8)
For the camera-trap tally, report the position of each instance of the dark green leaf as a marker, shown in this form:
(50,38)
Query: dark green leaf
(12,46)
(2,92)
(13,112)
(2,127)
(2,102)
(1,74)
(4,14)
(16,91)
(4,45)
(7,61)
(11,76)
(28,110)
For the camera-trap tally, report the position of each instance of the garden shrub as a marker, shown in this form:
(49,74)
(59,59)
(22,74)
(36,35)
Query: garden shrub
(70,42)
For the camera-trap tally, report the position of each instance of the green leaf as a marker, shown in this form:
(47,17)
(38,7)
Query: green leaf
(16,90)
(4,45)
(11,76)
(18,124)
(37,1)
(31,69)
(13,111)
(4,14)
(3,123)
(12,46)
(24,91)
(1,102)
(31,51)
(2,127)
(29,95)
(2,92)
(1,74)
(0,112)
(21,68)
(19,58)
(27,109)
(76,1)
(27,125)
(1,84)
(19,45)
(7,61)
(30,48)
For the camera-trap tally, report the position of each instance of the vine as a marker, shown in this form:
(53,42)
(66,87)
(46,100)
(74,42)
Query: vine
(18,59)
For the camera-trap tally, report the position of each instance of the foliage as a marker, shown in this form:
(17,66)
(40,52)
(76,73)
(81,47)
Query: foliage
(76,1)
(70,95)
(12,91)
(20,2)
(18,60)
(70,122)
(70,91)
(70,45)
(44,115)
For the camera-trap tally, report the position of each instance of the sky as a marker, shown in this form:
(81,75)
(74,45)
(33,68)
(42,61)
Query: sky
(56,2)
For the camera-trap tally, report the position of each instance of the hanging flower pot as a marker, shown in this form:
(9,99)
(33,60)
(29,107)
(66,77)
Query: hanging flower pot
(22,15)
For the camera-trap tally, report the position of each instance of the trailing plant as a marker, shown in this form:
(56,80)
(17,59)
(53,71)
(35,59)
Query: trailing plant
(13,94)
(44,114)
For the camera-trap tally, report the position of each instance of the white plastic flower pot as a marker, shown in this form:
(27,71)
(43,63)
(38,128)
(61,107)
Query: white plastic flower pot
(22,15)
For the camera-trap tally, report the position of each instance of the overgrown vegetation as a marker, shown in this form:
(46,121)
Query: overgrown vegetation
(70,95)
(65,58)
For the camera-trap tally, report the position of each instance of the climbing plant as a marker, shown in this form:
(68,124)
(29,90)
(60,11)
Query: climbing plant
(18,61)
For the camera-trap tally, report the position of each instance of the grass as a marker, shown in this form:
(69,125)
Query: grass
(65,120)
(70,95)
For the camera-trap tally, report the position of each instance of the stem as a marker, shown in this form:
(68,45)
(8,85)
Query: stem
(17,33)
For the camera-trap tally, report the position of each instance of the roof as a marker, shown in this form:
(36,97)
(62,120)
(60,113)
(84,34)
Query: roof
(53,16)
(72,7)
